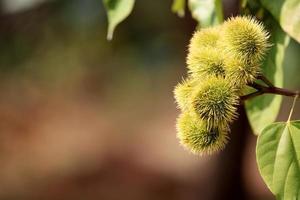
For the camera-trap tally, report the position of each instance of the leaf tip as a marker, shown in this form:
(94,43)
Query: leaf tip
(109,36)
(180,14)
(110,32)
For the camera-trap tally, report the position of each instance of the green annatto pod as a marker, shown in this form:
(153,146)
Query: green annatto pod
(206,61)
(239,72)
(182,93)
(195,136)
(207,37)
(215,101)
(246,38)
(204,58)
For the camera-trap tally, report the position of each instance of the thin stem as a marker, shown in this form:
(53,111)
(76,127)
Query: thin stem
(292,109)
(219,10)
(261,89)
(265,80)
(256,86)
(281,91)
(273,90)
(251,95)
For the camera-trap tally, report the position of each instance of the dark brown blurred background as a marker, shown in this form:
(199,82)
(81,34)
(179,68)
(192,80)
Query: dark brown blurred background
(82,118)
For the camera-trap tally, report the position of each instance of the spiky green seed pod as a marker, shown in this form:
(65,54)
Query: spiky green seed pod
(246,38)
(206,61)
(215,101)
(183,92)
(239,72)
(207,37)
(195,136)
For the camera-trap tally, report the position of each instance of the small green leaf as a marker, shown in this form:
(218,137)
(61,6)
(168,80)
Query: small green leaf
(206,12)
(264,109)
(278,158)
(287,12)
(117,11)
(178,7)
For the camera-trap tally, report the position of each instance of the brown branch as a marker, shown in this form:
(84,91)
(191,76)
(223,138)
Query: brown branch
(281,91)
(268,90)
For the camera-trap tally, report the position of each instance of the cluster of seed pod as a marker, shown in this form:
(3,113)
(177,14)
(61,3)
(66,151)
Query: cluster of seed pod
(221,61)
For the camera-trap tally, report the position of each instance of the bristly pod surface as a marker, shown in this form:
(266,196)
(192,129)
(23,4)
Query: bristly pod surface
(239,72)
(182,93)
(207,37)
(215,101)
(246,38)
(205,62)
(195,136)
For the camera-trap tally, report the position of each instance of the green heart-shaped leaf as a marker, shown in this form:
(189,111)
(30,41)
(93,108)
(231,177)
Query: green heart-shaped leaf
(278,158)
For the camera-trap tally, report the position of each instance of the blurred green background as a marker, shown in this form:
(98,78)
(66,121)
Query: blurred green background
(84,118)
